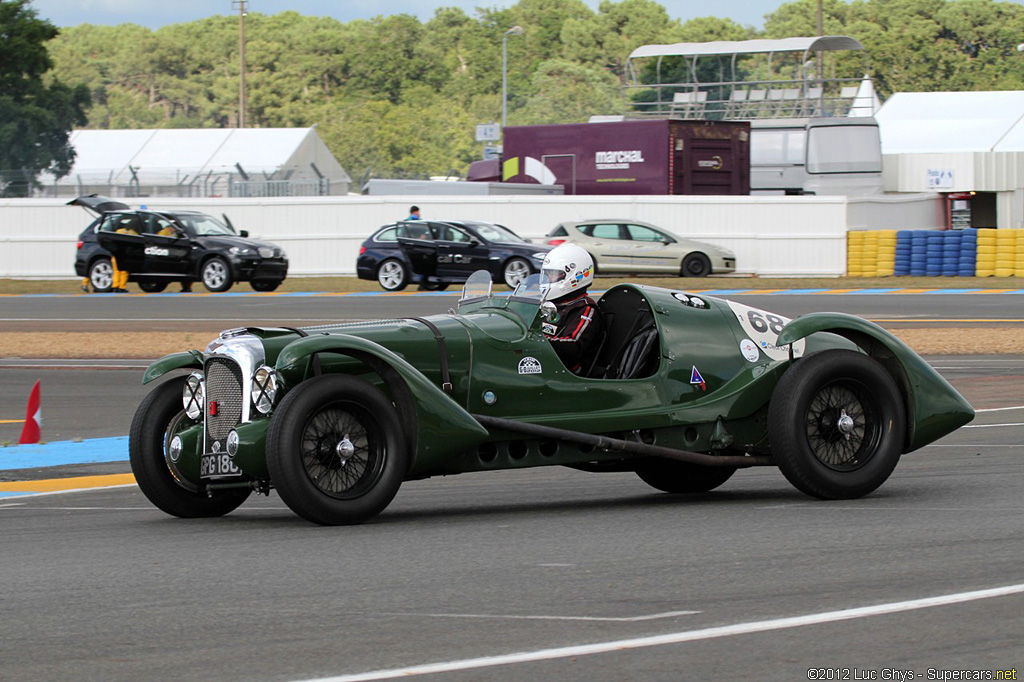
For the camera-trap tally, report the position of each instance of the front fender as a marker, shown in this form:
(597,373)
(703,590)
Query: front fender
(191,359)
(934,407)
(442,427)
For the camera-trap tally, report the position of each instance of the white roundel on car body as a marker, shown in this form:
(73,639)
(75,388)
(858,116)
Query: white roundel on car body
(749,350)
(763,328)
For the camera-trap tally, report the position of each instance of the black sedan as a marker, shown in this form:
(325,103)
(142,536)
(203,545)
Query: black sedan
(159,247)
(435,253)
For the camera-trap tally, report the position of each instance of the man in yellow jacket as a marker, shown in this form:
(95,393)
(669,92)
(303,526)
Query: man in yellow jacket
(120,277)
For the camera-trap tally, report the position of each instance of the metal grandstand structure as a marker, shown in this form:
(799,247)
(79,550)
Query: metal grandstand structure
(742,80)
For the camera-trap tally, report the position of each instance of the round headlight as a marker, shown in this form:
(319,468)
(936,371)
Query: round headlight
(174,449)
(264,389)
(193,395)
(232,443)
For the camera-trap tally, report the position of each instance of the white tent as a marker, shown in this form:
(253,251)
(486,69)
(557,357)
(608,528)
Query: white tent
(201,162)
(958,142)
(937,122)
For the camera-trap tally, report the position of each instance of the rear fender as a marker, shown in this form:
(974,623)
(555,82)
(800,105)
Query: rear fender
(435,425)
(934,407)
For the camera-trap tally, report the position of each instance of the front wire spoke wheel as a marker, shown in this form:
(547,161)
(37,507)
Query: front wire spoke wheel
(336,450)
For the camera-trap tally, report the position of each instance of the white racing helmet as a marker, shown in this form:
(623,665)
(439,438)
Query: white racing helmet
(567,268)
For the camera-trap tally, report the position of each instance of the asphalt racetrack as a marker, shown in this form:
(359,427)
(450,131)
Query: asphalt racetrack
(542,574)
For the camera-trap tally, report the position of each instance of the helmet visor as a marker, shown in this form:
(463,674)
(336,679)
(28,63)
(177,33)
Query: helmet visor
(551,275)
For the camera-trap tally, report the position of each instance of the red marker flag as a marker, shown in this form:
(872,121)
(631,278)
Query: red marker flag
(33,417)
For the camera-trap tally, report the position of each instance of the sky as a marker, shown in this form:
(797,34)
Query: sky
(157,13)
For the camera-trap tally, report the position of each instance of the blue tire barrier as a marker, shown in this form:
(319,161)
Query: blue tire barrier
(948,253)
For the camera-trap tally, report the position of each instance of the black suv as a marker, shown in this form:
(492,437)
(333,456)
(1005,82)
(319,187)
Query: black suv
(159,247)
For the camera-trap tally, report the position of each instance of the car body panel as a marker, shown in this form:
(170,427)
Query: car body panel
(712,375)
(633,246)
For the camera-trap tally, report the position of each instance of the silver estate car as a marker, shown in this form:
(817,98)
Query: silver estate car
(632,246)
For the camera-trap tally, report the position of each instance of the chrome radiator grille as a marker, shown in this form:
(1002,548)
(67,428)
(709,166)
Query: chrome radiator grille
(223,387)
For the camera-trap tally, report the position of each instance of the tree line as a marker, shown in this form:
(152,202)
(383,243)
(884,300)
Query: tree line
(397,97)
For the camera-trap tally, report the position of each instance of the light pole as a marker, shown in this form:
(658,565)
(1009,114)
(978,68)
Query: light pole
(241,6)
(514,31)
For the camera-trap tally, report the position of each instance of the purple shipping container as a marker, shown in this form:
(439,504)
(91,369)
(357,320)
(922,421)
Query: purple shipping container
(631,157)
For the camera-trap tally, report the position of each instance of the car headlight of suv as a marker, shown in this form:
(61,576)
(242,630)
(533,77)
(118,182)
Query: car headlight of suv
(264,389)
(240,251)
(193,395)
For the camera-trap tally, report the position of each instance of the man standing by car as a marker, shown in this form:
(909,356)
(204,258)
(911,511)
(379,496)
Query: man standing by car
(414,213)
(120,277)
(567,273)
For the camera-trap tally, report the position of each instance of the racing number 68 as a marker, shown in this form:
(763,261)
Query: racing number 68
(763,323)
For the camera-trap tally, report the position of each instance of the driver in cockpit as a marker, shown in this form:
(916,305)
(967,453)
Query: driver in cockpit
(567,273)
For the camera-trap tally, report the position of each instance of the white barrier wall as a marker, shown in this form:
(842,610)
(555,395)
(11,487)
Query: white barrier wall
(771,236)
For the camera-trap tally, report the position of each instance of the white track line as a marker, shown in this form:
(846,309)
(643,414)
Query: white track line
(678,637)
(989,426)
(602,619)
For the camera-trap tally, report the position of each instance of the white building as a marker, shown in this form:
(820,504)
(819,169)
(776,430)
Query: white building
(200,162)
(958,143)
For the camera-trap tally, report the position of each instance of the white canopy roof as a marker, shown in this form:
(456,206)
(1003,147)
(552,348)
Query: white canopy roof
(173,156)
(731,47)
(936,122)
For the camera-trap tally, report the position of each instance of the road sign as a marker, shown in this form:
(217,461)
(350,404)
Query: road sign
(488,132)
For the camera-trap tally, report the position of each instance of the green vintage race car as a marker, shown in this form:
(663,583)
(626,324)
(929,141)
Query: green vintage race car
(685,390)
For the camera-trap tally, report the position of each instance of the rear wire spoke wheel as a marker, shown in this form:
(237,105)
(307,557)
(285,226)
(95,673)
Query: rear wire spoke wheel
(159,417)
(841,428)
(837,424)
(335,450)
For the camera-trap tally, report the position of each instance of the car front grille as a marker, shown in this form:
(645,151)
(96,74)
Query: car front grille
(223,387)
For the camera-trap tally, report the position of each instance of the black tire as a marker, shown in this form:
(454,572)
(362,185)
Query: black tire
(515,271)
(836,424)
(265,284)
(159,417)
(314,476)
(392,275)
(101,275)
(671,476)
(696,265)
(216,275)
(152,287)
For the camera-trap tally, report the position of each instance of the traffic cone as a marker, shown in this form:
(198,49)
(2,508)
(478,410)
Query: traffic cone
(33,418)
